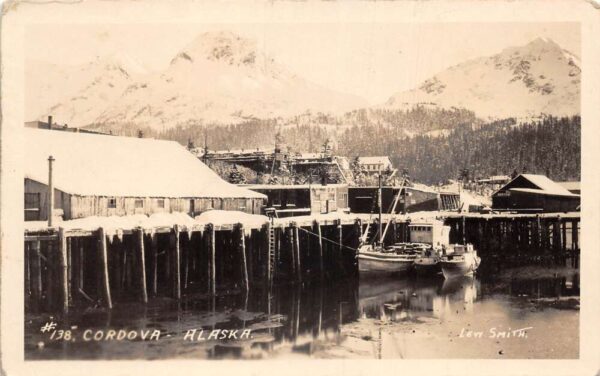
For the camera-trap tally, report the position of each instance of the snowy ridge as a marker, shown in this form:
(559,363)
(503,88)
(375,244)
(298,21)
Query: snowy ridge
(219,77)
(527,81)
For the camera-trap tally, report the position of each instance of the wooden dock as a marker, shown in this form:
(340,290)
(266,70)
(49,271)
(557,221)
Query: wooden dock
(74,267)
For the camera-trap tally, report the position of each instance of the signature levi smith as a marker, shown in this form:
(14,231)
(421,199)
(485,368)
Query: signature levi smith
(495,333)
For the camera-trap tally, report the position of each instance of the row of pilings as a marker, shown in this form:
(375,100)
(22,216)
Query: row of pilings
(520,240)
(69,269)
(65,269)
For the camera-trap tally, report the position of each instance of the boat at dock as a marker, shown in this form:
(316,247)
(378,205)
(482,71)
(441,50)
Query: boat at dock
(379,259)
(428,262)
(462,261)
(376,258)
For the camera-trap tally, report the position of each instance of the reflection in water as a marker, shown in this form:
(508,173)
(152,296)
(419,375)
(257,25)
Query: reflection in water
(348,319)
(406,299)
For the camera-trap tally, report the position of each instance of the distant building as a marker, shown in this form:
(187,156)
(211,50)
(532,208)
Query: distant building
(534,193)
(56,127)
(305,199)
(267,160)
(98,175)
(375,164)
(495,179)
(571,186)
(411,199)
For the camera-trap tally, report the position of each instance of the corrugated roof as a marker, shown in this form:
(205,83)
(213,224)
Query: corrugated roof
(97,165)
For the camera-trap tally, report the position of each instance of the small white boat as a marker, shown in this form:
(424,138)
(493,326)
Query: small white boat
(376,259)
(463,260)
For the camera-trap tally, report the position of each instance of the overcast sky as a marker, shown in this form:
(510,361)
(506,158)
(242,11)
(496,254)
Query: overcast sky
(370,60)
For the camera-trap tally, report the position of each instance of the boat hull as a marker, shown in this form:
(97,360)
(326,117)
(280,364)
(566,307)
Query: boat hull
(427,267)
(460,266)
(456,269)
(370,263)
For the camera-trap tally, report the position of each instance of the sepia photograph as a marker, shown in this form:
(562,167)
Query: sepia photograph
(319,187)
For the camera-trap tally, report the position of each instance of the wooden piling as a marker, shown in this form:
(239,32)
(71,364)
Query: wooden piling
(154,247)
(50,273)
(564,235)
(64,270)
(297,254)
(291,249)
(339,270)
(357,232)
(70,268)
(81,263)
(212,281)
(186,260)
(176,262)
(26,259)
(104,261)
(575,234)
(321,266)
(36,271)
(242,250)
(142,264)
(115,265)
(464,237)
(250,255)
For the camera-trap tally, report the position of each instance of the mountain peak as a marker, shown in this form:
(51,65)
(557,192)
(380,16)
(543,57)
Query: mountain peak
(119,61)
(538,77)
(543,41)
(219,46)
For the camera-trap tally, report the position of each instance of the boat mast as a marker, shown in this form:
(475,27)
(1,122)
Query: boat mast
(379,204)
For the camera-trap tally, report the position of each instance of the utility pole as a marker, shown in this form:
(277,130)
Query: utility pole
(379,202)
(50,191)
(204,156)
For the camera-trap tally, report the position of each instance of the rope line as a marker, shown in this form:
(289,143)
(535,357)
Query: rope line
(329,240)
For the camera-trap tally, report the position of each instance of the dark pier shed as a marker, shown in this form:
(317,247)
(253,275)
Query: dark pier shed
(304,199)
(535,193)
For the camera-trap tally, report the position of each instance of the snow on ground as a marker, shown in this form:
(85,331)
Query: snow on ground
(471,198)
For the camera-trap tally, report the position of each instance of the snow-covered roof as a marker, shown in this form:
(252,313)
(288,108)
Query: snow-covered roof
(541,192)
(374,160)
(570,185)
(291,186)
(544,184)
(98,165)
(309,156)
(422,188)
(547,185)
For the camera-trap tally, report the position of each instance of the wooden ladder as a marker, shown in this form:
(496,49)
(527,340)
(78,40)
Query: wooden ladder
(271,265)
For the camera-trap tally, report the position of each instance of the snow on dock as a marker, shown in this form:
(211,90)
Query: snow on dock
(223,219)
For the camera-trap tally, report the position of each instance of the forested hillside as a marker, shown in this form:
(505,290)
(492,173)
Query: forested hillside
(551,147)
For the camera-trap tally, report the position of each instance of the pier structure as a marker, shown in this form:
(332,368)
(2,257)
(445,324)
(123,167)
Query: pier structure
(67,267)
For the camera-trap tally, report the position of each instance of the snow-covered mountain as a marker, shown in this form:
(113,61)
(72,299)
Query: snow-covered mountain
(537,78)
(75,92)
(218,78)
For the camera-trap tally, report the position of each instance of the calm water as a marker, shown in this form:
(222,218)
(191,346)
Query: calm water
(398,317)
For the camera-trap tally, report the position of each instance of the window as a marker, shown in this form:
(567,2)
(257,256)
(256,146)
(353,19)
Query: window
(112,203)
(32,206)
(160,203)
(139,203)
